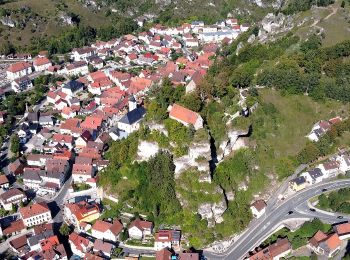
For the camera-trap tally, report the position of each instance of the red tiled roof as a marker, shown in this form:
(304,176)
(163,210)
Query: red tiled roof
(139,84)
(317,238)
(342,229)
(279,247)
(141,224)
(18,66)
(91,122)
(15,226)
(82,169)
(83,209)
(259,205)
(71,124)
(78,241)
(41,61)
(333,241)
(188,256)
(163,254)
(183,114)
(3,179)
(103,226)
(33,210)
(49,243)
(62,138)
(97,75)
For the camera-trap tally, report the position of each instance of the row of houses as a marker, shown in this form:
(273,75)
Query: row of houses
(339,164)
(321,128)
(321,243)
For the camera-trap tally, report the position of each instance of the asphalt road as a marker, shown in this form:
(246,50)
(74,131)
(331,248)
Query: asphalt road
(263,227)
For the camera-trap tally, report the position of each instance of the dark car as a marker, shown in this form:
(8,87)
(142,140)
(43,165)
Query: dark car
(311,209)
(290,212)
(323,190)
(340,217)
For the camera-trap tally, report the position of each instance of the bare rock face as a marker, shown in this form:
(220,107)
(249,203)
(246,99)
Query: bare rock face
(229,145)
(213,212)
(230,195)
(239,47)
(158,127)
(197,150)
(251,38)
(199,155)
(146,150)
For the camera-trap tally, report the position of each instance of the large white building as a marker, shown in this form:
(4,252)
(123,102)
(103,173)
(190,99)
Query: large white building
(18,69)
(35,214)
(138,229)
(105,230)
(80,54)
(41,64)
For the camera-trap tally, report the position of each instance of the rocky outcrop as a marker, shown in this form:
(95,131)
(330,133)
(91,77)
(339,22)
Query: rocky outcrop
(229,145)
(239,47)
(251,38)
(212,212)
(273,25)
(199,155)
(146,150)
(158,127)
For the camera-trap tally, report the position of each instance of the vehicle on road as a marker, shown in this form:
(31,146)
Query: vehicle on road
(340,217)
(311,209)
(290,212)
(323,190)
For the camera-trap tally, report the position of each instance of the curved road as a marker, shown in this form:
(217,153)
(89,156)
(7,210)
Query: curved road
(263,227)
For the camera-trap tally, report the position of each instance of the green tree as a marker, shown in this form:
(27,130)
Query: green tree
(15,145)
(6,48)
(65,229)
(124,235)
(191,101)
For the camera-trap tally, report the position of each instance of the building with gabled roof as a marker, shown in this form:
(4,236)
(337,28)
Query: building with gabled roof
(164,254)
(105,248)
(11,197)
(82,172)
(76,213)
(79,245)
(167,239)
(138,229)
(323,244)
(18,69)
(258,208)
(185,116)
(106,230)
(14,228)
(343,230)
(275,251)
(21,84)
(41,63)
(35,214)
(4,182)
(130,122)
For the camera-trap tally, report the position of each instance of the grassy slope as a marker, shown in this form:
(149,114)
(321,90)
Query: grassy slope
(49,25)
(335,24)
(296,114)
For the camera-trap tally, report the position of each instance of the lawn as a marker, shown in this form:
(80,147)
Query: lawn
(283,134)
(336,28)
(80,187)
